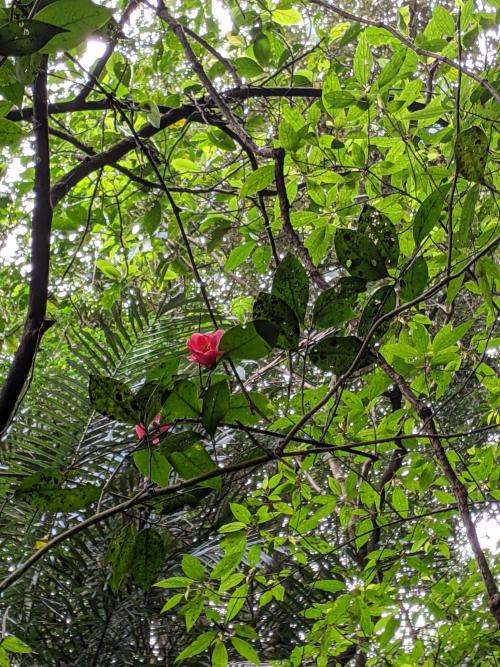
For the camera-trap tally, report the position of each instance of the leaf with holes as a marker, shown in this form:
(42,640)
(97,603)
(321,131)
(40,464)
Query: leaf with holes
(114,399)
(44,490)
(121,554)
(149,555)
(471,153)
(21,38)
(383,301)
(359,255)
(336,354)
(291,285)
(270,307)
(379,229)
(215,406)
(334,305)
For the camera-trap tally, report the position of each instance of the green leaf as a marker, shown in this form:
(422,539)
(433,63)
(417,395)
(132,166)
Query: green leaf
(219,654)
(241,513)
(172,602)
(193,567)
(334,305)
(192,610)
(330,585)
(262,49)
(121,554)
(289,139)
(257,181)
(108,269)
(389,74)
(379,229)
(471,153)
(14,645)
(4,658)
(400,501)
(338,99)
(10,133)
(429,212)
(251,341)
(448,336)
(383,301)
(467,217)
(238,255)
(174,582)
(79,19)
(245,650)
(183,401)
(149,556)
(152,218)
(362,60)
(236,602)
(154,116)
(200,644)
(414,280)
(359,255)
(195,461)
(21,38)
(286,16)
(336,354)
(44,491)
(291,285)
(152,465)
(318,243)
(215,406)
(183,165)
(114,399)
(270,307)
(248,67)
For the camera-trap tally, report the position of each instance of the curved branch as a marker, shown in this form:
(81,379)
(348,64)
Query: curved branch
(148,495)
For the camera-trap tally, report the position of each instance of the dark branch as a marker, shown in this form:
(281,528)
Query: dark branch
(36,324)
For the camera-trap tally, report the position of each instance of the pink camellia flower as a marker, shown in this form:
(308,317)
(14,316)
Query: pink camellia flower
(204,348)
(154,426)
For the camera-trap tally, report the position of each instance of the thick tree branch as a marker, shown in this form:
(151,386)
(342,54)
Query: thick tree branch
(231,95)
(36,324)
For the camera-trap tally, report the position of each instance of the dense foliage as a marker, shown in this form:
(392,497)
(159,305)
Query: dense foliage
(248,338)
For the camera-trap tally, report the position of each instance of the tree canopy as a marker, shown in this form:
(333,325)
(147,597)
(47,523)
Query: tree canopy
(248,333)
